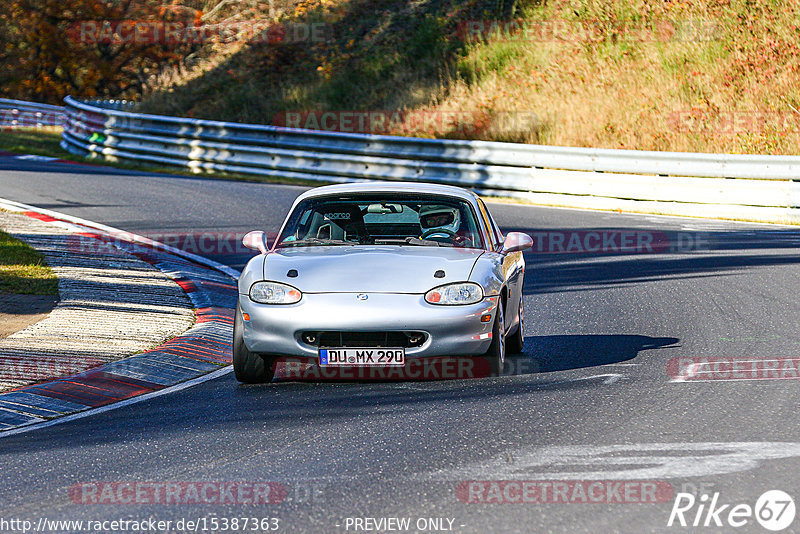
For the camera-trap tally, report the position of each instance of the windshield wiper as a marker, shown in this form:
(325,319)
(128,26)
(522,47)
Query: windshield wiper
(411,240)
(310,241)
(417,242)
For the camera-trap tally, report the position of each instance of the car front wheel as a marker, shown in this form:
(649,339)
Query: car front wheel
(497,350)
(249,367)
(516,342)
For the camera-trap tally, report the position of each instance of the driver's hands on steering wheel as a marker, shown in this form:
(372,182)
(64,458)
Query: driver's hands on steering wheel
(443,232)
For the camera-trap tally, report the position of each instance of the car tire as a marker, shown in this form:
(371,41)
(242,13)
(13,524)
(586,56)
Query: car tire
(516,342)
(497,350)
(249,367)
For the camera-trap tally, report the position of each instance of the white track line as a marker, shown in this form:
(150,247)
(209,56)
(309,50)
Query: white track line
(650,217)
(82,224)
(127,402)
(610,378)
(18,207)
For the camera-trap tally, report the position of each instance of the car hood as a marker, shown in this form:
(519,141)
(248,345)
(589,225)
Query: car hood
(369,269)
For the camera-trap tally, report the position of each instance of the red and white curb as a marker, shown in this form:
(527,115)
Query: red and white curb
(200,354)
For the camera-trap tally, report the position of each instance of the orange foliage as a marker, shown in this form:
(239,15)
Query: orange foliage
(47,50)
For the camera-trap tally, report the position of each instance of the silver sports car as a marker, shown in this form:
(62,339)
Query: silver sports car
(377,274)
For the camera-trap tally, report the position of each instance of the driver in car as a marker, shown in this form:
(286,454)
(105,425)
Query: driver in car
(441,223)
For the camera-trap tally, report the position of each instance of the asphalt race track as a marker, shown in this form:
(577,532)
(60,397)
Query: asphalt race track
(603,394)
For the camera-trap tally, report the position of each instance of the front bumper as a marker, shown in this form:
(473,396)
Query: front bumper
(450,330)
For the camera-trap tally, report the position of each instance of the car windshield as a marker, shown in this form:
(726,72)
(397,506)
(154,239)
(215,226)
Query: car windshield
(382,220)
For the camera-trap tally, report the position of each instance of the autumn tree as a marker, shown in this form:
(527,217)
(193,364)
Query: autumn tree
(90,48)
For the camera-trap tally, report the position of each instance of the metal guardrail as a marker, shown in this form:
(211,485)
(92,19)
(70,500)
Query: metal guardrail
(21,114)
(106,130)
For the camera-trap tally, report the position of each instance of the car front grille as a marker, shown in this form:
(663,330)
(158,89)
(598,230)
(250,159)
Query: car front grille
(334,339)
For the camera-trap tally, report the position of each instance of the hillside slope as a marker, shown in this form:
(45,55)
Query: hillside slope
(711,75)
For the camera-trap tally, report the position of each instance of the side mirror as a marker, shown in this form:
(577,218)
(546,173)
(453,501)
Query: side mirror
(516,241)
(256,241)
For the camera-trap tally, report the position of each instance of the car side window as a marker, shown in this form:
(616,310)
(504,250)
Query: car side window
(485,219)
(498,234)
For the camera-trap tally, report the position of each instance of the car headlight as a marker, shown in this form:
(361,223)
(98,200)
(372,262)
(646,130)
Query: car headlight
(274,293)
(455,294)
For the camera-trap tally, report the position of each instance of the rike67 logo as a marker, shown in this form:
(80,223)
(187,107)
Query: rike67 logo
(774,510)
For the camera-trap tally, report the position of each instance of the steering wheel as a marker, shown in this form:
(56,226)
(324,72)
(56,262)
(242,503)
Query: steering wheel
(433,231)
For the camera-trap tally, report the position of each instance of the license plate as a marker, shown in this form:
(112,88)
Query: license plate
(365,356)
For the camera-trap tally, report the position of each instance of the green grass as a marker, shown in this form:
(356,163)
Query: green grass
(23,270)
(39,142)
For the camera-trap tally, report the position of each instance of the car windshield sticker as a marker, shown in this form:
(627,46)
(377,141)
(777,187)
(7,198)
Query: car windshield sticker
(337,216)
